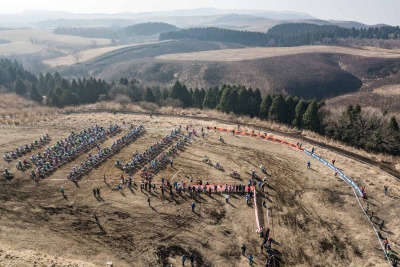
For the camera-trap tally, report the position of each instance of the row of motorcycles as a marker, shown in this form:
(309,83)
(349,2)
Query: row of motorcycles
(23,150)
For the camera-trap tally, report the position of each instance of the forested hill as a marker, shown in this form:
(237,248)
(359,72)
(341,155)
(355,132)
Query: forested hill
(148,28)
(218,35)
(290,34)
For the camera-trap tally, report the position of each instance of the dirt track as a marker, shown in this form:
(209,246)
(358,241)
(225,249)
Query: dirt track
(314,217)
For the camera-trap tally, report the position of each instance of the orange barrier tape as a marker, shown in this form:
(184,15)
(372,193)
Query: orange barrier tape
(261,135)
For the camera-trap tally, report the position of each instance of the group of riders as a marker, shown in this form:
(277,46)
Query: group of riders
(139,158)
(102,153)
(25,149)
(68,149)
(158,163)
(217,165)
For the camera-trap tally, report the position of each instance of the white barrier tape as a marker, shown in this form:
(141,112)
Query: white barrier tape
(354,187)
(373,226)
(343,176)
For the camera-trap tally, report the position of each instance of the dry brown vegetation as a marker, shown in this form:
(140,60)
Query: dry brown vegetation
(267,52)
(27,41)
(307,231)
(314,216)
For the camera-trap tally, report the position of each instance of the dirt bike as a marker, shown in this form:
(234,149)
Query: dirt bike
(20,167)
(8,158)
(234,175)
(254,175)
(8,175)
(218,167)
(263,169)
(119,166)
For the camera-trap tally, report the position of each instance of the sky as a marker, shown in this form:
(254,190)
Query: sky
(366,11)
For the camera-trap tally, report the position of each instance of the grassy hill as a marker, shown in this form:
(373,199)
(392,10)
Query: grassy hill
(312,72)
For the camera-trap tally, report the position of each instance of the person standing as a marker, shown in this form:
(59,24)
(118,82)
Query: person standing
(94,192)
(243,249)
(251,259)
(227,198)
(385,189)
(183,260)
(191,258)
(96,219)
(148,201)
(62,191)
(193,206)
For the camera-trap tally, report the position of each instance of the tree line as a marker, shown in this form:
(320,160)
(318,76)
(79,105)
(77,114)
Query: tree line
(357,127)
(288,34)
(148,28)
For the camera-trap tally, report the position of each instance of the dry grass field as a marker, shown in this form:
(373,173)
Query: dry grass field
(386,98)
(87,55)
(314,217)
(267,52)
(44,39)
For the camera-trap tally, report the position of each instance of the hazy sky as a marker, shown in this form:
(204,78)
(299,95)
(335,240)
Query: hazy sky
(367,11)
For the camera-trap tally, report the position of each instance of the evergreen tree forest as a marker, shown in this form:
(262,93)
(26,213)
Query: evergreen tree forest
(289,34)
(354,126)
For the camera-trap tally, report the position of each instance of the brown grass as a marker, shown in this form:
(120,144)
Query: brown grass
(86,55)
(30,113)
(267,52)
(315,217)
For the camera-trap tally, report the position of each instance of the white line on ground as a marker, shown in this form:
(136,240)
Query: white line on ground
(181,168)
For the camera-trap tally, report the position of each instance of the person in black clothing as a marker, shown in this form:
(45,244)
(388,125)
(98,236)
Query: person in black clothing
(94,192)
(98,191)
(191,258)
(243,249)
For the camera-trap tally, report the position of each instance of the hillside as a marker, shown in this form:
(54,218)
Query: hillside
(319,72)
(142,29)
(286,34)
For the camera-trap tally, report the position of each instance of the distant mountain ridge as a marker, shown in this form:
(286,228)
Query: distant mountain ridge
(259,20)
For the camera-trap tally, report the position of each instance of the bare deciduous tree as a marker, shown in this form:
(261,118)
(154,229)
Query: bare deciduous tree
(77,56)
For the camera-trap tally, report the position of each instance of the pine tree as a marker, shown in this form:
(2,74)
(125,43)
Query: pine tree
(42,85)
(393,125)
(148,96)
(185,97)
(197,101)
(211,98)
(310,118)
(19,87)
(81,93)
(265,106)
(202,95)
(242,106)
(254,102)
(74,86)
(34,95)
(291,109)
(52,99)
(224,103)
(176,90)
(301,107)
(67,98)
(278,111)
